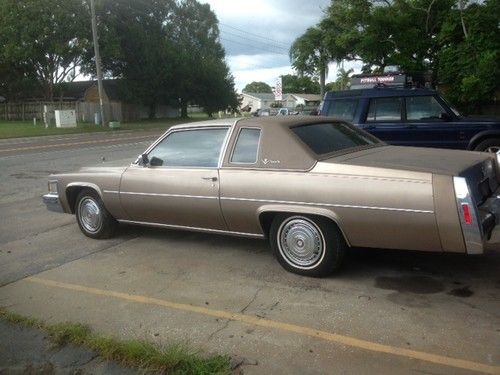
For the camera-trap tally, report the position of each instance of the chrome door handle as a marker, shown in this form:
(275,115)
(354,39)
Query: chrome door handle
(213,179)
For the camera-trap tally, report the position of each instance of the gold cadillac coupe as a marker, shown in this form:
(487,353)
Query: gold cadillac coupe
(313,186)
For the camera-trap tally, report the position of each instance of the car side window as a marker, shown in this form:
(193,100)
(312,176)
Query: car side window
(247,146)
(423,108)
(384,109)
(189,148)
(343,109)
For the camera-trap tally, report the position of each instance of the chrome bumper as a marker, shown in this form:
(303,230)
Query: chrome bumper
(52,202)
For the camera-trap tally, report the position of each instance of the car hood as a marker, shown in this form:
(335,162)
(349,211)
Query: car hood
(416,159)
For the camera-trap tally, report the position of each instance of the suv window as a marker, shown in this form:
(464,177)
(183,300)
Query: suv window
(189,148)
(343,109)
(247,145)
(384,109)
(326,138)
(423,108)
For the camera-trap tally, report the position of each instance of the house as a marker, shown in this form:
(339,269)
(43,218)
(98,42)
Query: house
(305,100)
(252,101)
(117,105)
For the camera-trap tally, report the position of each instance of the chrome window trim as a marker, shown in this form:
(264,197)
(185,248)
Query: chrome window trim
(329,205)
(472,233)
(187,127)
(236,142)
(197,229)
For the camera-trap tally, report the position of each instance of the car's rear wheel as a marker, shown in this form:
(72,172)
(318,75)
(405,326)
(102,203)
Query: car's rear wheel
(489,145)
(93,218)
(307,245)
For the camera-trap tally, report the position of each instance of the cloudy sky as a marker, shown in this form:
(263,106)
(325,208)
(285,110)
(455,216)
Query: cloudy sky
(257,35)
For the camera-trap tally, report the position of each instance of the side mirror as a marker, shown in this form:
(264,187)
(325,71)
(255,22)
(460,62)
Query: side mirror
(144,160)
(445,116)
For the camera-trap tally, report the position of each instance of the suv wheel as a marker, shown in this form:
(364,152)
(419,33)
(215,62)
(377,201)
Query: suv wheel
(489,145)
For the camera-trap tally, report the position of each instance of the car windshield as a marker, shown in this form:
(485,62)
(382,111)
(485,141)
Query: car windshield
(326,138)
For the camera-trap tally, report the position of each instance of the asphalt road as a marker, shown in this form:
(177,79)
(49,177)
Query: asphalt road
(385,312)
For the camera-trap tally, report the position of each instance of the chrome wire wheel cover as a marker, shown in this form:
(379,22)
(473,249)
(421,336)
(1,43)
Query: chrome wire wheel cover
(90,215)
(301,242)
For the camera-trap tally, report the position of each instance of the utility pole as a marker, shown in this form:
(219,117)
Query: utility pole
(95,39)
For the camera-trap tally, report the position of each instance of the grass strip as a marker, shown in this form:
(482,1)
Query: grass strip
(172,359)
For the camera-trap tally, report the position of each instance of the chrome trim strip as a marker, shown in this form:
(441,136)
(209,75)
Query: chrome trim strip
(196,229)
(473,236)
(168,195)
(111,191)
(329,205)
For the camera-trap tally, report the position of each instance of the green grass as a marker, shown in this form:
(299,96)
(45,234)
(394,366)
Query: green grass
(172,359)
(15,129)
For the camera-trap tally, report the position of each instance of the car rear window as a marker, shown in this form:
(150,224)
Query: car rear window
(343,109)
(326,138)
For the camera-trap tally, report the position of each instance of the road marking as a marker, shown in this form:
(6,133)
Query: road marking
(268,323)
(77,143)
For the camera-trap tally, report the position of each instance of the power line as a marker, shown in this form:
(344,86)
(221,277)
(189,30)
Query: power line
(266,44)
(255,35)
(263,48)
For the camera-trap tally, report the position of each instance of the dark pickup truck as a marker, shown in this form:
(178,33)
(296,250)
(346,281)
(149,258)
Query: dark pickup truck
(412,117)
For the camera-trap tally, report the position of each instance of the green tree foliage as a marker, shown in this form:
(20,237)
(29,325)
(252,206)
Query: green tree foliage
(309,55)
(469,59)
(342,81)
(293,84)
(455,42)
(42,41)
(167,52)
(258,87)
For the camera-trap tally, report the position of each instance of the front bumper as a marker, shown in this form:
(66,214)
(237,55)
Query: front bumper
(52,202)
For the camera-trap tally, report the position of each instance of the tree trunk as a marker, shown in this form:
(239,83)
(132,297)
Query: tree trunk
(152,110)
(322,78)
(184,109)
(461,6)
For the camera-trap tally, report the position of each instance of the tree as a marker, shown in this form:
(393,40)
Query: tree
(293,84)
(46,38)
(309,55)
(469,56)
(167,52)
(342,81)
(258,87)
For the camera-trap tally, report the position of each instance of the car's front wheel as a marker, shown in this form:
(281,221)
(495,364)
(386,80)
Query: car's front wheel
(93,218)
(489,145)
(307,245)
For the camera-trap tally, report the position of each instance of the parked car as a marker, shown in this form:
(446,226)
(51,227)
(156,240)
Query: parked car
(312,185)
(412,117)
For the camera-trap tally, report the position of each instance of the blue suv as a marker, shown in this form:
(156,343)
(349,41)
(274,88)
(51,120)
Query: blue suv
(412,117)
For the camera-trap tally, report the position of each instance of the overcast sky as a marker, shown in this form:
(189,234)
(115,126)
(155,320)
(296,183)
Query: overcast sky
(257,35)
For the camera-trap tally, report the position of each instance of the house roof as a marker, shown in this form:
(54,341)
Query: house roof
(259,95)
(76,90)
(309,97)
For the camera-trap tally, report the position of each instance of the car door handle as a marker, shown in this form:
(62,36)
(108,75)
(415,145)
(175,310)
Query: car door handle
(213,179)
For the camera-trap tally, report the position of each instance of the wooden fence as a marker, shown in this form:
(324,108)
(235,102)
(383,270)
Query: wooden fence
(85,111)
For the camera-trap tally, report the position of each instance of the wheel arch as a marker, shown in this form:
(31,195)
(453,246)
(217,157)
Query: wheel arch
(74,188)
(481,136)
(267,213)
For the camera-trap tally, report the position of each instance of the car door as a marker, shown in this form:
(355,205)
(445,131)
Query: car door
(384,119)
(431,125)
(180,184)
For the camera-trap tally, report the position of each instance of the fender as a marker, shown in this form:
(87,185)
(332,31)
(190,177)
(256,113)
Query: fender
(297,209)
(483,134)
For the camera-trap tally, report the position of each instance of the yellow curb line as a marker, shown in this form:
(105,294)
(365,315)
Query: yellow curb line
(306,331)
(77,143)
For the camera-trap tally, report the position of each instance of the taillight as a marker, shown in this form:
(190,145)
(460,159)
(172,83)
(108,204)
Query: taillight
(471,226)
(466,213)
